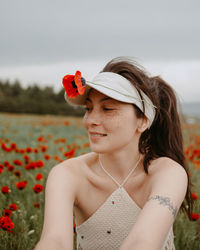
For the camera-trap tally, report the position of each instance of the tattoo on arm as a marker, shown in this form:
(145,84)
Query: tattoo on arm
(165,201)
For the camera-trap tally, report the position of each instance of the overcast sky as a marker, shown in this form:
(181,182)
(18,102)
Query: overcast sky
(40,41)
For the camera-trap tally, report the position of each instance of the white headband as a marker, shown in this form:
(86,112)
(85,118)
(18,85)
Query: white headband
(119,88)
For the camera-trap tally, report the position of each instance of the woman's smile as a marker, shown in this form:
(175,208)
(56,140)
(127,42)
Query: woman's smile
(94,136)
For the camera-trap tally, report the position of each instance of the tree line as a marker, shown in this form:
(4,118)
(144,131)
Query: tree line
(16,99)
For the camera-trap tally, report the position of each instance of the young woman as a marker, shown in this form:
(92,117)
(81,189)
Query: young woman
(127,192)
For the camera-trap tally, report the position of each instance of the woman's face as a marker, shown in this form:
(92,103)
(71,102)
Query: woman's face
(111,125)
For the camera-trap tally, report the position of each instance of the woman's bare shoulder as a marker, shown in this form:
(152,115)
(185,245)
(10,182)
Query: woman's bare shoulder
(164,164)
(76,169)
(77,164)
(165,167)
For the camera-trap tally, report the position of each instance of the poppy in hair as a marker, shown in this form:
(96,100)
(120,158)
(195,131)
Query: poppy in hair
(74,84)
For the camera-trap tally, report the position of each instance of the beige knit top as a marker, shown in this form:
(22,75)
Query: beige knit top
(107,228)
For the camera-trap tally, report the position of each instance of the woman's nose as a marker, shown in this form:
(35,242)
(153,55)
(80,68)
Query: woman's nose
(93,118)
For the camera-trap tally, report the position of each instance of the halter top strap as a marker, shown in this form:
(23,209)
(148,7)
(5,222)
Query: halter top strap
(120,185)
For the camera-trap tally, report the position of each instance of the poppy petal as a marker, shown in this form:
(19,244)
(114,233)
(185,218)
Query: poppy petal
(79,82)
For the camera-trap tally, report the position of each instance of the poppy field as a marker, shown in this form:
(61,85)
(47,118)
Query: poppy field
(31,145)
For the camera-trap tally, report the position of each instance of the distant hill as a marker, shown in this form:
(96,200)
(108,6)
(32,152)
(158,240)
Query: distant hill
(191,108)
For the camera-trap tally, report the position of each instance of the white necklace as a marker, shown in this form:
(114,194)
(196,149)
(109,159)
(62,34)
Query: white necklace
(120,185)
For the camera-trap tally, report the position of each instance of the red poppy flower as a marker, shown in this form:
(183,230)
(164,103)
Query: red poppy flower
(6,163)
(26,158)
(74,227)
(5,148)
(17,162)
(1,168)
(10,168)
(13,145)
(39,177)
(29,150)
(43,148)
(13,207)
(31,165)
(6,223)
(5,190)
(36,150)
(194,196)
(39,163)
(40,138)
(7,212)
(37,188)
(67,123)
(17,173)
(21,184)
(70,153)
(74,84)
(36,204)
(47,157)
(194,216)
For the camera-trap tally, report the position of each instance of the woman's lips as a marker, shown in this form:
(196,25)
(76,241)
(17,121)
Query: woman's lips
(96,134)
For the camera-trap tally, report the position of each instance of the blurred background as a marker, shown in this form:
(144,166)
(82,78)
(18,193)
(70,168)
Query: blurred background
(41,41)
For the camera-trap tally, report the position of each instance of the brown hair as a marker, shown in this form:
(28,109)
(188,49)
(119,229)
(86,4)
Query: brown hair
(166,123)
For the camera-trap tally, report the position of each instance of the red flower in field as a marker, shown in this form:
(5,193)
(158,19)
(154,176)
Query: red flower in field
(40,138)
(21,184)
(6,163)
(74,227)
(194,216)
(1,168)
(36,150)
(13,207)
(37,188)
(6,223)
(70,153)
(22,151)
(29,150)
(197,152)
(194,196)
(197,139)
(26,158)
(5,190)
(43,148)
(13,145)
(47,157)
(4,147)
(86,145)
(74,84)
(36,205)
(31,165)
(10,168)
(39,177)
(17,162)
(39,164)
(17,173)
(67,123)
(7,212)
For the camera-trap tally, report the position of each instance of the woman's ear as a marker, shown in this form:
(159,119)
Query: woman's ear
(143,124)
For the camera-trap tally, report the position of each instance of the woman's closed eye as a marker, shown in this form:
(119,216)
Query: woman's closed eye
(88,108)
(108,109)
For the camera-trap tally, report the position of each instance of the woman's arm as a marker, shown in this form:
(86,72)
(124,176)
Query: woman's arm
(49,244)
(60,193)
(158,214)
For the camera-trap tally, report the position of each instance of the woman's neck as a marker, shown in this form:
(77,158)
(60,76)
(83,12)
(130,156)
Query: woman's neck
(119,164)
